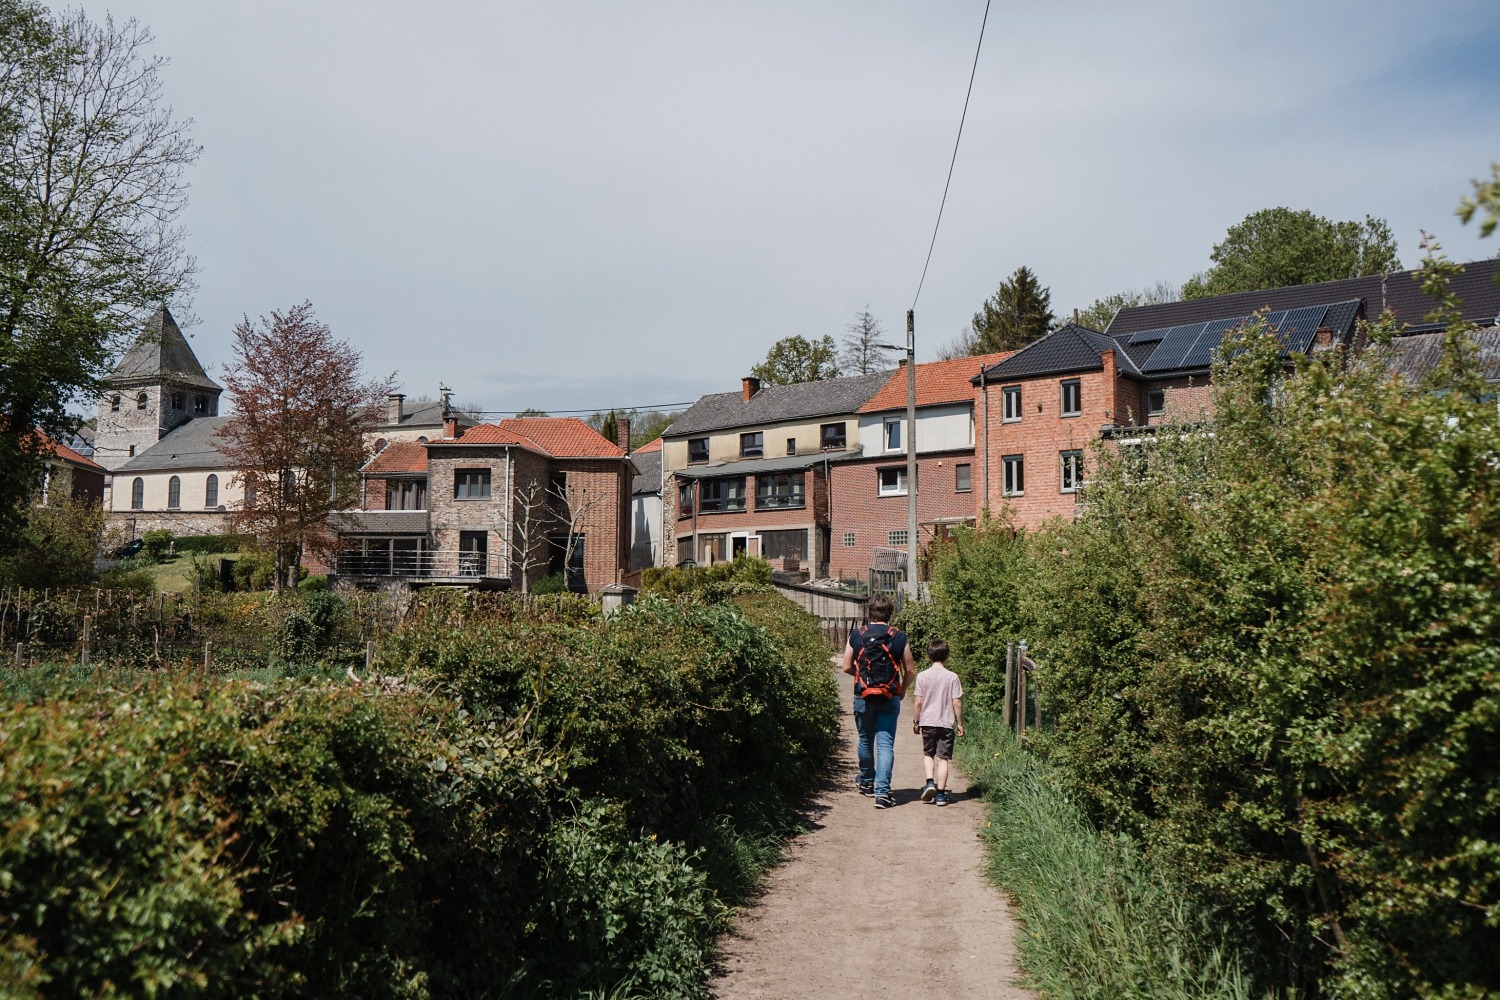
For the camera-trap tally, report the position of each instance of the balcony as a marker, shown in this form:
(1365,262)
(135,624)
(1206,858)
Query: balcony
(479,570)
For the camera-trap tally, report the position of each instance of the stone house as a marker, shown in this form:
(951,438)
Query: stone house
(748,472)
(495,505)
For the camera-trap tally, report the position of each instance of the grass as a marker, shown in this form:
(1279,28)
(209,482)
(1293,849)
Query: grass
(1096,922)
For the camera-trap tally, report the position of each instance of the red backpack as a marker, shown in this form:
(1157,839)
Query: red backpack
(877,671)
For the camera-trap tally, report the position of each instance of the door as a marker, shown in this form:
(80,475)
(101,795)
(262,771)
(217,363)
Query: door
(473,552)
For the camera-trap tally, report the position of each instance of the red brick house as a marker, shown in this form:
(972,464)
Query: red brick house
(869,493)
(496,505)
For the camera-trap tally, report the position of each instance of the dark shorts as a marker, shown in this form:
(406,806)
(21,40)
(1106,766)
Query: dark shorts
(937,742)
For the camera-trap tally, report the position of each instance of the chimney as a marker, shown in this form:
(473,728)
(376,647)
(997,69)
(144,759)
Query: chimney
(622,436)
(450,427)
(749,386)
(393,408)
(901,363)
(1322,339)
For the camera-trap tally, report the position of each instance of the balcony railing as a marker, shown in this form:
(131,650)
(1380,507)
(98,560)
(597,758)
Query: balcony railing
(421,564)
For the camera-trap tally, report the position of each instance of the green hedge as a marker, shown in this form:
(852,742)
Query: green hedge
(1269,653)
(539,803)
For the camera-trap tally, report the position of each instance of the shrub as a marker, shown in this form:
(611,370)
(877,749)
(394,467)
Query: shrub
(158,542)
(211,544)
(57,546)
(552,583)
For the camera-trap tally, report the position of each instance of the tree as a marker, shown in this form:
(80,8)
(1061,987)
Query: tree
(1019,312)
(797,359)
(645,425)
(860,356)
(532,411)
(1099,314)
(1277,247)
(91,185)
(296,437)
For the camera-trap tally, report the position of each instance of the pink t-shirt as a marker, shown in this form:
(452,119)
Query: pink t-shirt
(937,687)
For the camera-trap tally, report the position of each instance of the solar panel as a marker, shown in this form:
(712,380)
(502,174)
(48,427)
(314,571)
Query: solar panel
(1173,347)
(1299,327)
(1201,355)
(1149,336)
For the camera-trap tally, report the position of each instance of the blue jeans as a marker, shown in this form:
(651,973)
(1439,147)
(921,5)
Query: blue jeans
(875,721)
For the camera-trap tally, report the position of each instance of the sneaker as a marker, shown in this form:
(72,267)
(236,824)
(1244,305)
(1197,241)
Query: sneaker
(941,798)
(884,802)
(929,790)
(865,790)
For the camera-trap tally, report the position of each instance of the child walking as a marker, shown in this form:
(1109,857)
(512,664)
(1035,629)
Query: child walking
(938,718)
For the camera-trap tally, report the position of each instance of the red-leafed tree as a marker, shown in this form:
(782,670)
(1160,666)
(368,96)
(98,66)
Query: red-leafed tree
(301,408)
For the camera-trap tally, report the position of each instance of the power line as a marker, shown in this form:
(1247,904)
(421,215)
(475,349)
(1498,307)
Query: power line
(657,407)
(954,160)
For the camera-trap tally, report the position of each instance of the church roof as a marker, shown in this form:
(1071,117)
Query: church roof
(191,446)
(161,353)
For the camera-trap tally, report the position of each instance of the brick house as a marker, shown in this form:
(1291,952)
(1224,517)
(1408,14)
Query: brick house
(869,495)
(69,475)
(1049,402)
(495,505)
(748,472)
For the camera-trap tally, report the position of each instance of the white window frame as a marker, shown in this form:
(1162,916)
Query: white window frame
(1011,414)
(1013,473)
(849,539)
(896,538)
(891,434)
(1070,472)
(897,486)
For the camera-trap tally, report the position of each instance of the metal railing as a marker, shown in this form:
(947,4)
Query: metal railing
(421,564)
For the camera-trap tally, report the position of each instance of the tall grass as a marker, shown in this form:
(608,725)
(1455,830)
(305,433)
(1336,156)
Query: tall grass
(1096,922)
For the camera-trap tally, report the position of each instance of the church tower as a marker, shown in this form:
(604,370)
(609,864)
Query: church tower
(157,387)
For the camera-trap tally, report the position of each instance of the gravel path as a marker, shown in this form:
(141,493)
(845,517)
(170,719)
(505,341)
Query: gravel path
(834,921)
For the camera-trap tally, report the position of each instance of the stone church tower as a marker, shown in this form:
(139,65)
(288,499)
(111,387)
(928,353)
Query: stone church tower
(157,387)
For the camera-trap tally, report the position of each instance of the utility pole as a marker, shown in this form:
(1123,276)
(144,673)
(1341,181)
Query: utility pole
(913,586)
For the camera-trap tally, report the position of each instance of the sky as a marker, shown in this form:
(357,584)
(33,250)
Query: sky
(586,205)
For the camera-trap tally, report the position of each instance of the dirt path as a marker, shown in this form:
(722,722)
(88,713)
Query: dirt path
(923,924)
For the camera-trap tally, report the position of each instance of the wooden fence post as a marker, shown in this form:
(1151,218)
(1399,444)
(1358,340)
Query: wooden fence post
(88,622)
(208,655)
(20,654)
(1008,702)
(1037,721)
(369,654)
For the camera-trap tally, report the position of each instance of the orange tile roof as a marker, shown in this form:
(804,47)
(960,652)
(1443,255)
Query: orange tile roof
(399,457)
(555,437)
(938,382)
(653,446)
(62,451)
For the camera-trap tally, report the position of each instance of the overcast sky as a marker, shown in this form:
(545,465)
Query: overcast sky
(582,205)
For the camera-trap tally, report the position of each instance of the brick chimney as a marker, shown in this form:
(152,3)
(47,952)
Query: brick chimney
(749,386)
(1322,339)
(393,408)
(622,434)
(450,426)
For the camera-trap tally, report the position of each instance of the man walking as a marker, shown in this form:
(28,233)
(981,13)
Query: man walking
(880,659)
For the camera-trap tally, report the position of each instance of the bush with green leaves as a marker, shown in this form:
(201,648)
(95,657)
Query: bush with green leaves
(158,542)
(1269,652)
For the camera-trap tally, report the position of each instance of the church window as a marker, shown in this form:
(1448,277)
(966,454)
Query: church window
(137,493)
(211,491)
(114,403)
(174,493)
(140,401)
(176,400)
(200,405)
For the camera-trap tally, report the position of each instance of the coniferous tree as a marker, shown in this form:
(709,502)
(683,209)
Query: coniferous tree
(1019,312)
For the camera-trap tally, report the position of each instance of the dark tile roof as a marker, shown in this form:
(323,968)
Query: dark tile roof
(190,446)
(647,472)
(1190,347)
(161,353)
(755,466)
(1069,348)
(1398,291)
(776,404)
(1414,356)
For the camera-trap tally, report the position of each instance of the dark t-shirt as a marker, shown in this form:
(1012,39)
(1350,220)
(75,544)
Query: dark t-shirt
(897,643)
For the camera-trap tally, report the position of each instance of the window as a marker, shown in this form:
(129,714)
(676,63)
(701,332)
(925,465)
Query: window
(474,552)
(200,405)
(114,403)
(893,435)
(250,495)
(1015,474)
(752,445)
(716,495)
(773,492)
(1072,470)
(833,437)
(697,450)
(1012,397)
(176,400)
(557,485)
(848,539)
(897,538)
(791,446)
(892,481)
(211,491)
(405,494)
(963,478)
(783,544)
(137,493)
(140,401)
(471,484)
(1156,402)
(685,500)
(174,493)
(1072,398)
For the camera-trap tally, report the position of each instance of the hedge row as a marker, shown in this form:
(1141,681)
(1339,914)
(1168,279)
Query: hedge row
(1270,652)
(512,808)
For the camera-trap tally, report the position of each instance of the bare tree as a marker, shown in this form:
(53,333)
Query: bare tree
(860,356)
(543,513)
